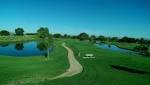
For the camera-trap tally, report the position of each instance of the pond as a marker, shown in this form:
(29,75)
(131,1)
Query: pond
(114,48)
(33,48)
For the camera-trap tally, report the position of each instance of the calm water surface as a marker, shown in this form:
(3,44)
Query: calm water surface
(33,48)
(114,48)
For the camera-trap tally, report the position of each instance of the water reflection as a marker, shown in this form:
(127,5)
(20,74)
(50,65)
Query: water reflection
(19,46)
(25,49)
(45,45)
(4,44)
(42,46)
(114,48)
(109,45)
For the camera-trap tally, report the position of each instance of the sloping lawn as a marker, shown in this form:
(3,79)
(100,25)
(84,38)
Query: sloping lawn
(99,72)
(14,69)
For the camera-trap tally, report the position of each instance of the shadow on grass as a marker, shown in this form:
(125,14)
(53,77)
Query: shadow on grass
(129,69)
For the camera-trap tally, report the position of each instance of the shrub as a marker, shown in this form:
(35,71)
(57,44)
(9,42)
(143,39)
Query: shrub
(4,33)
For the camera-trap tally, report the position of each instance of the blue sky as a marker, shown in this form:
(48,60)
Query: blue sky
(100,17)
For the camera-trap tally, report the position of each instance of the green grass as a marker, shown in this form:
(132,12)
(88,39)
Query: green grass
(16,68)
(98,72)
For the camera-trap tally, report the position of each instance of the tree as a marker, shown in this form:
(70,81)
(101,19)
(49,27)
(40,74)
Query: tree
(74,36)
(19,31)
(65,36)
(43,32)
(92,38)
(83,36)
(128,40)
(102,38)
(142,49)
(45,44)
(114,39)
(148,43)
(142,41)
(57,35)
(4,33)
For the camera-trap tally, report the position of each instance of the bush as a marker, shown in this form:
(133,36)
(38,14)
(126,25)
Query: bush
(57,35)
(128,40)
(142,49)
(4,33)
(102,38)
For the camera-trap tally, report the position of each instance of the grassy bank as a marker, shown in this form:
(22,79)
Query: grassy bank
(99,72)
(14,69)
(96,71)
(11,39)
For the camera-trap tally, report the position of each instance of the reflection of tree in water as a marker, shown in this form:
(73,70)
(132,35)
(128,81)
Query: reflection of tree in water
(109,45)
(19,46)
(4,44)
(44,45)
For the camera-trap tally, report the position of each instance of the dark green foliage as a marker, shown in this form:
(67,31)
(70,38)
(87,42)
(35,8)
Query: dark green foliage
(57,35)
(65,36)
(43,32)
(102,38)
(31,33)
(4,33)
(83,36)
(149,42)
(142,41)
(42,46)
(19,46)
(74,37)
(4,44)
(142,49)
(128,40)
(114,39)
(19,31)
(92,38)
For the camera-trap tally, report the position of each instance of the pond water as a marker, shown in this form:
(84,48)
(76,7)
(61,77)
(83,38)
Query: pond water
(114,48)
(33,48)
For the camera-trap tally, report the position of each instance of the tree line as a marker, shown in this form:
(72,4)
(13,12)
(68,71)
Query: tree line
(43,32)
(93,38)
(18,31)
(142,44)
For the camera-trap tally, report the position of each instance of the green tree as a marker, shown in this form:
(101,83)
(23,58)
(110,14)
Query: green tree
(66,36)
(45,44)
(4,33)
(114,39)
(102,38)
(19,31)
(43,32)
(92,38)
(142,41)
(57,35)
(143,49)
(83,36)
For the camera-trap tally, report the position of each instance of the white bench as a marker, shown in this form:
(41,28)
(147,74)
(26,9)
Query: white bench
(88,56)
